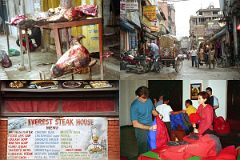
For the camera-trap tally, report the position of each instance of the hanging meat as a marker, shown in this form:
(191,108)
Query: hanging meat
(76,58)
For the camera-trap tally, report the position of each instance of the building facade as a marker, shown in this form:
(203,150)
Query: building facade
(171,19)
(231,12)
(205,23)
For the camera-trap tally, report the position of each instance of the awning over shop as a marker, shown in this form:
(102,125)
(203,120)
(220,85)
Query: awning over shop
(219,34)
(150,35)
(126,26)
(164,29)
(133,17)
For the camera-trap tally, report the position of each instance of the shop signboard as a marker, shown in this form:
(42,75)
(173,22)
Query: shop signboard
(122,7)
(131,5)
(80,138)
(150,12)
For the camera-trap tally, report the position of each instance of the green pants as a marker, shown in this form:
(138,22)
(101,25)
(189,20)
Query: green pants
(141,136)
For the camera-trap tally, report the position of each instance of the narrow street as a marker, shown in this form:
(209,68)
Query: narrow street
(188,72)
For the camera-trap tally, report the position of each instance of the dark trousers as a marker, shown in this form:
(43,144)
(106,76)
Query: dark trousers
(168,125)
(194,61)
(141,136)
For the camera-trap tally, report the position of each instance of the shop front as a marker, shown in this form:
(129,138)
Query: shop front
(59,120)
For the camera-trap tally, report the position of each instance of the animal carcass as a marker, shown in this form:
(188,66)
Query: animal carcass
(76,58)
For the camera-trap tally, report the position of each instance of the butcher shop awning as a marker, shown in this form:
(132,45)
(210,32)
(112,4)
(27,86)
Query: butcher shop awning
(221,33)
(126,26)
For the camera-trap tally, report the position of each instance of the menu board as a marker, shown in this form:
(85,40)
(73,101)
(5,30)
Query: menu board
(45,138)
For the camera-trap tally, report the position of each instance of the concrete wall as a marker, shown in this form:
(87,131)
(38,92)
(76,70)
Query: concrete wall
(164,7)
(127,95)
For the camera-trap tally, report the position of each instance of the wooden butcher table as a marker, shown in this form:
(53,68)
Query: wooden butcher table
(55,27)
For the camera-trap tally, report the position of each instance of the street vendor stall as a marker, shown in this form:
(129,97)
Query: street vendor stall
(59,120)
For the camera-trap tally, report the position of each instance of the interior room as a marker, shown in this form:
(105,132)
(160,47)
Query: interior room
(227,93)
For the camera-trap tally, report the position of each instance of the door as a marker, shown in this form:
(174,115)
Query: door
(171,88)
(233,100)
(233,104)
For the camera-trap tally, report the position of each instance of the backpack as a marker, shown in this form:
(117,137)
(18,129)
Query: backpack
(5,60)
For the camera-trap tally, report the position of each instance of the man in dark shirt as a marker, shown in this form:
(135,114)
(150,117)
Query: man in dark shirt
(212,100)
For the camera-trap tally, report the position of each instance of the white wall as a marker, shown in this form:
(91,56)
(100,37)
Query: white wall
(127,95)
(186,90)
(219,88)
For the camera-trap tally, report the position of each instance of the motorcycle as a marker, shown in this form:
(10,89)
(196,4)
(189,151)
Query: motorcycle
(126,58)
(140,64)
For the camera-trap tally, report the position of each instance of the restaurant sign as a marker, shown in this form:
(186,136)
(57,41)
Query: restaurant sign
(150,12)
(57,138)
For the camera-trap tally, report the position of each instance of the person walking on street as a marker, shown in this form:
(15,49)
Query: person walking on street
(141,112)
(194,57)
(212,57)
(154,51)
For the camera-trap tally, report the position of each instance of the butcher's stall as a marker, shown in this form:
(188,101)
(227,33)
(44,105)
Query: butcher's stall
(72,55)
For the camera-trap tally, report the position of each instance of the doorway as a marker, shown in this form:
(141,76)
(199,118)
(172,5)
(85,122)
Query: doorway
(233,104)
(171,88)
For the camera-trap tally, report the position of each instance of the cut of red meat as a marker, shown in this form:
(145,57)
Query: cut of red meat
(89,10)
(17,19)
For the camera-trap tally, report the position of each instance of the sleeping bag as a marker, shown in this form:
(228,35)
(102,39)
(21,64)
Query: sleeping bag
(220,126)
(181,120)
(160,137)
(205,146)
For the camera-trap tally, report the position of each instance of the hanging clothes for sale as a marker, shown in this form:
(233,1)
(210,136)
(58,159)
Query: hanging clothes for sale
(160,137)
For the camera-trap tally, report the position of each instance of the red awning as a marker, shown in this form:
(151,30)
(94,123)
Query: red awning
(238,27)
